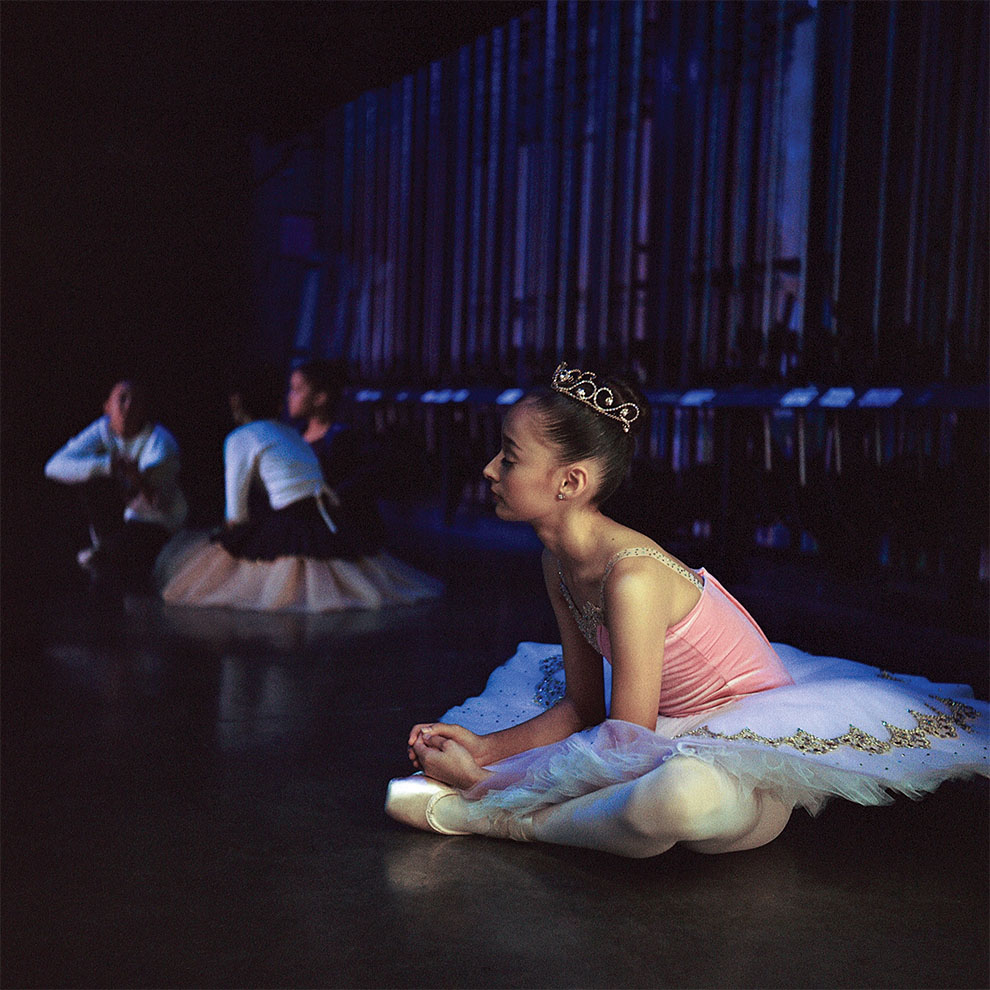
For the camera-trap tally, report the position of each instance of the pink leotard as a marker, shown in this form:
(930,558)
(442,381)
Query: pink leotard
(715,654)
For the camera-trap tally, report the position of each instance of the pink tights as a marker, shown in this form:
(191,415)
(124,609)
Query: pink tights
(685,800)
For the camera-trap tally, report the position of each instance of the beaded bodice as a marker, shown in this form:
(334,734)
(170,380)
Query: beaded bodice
(590,616)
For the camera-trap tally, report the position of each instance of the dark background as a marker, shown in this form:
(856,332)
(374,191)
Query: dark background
(127,195)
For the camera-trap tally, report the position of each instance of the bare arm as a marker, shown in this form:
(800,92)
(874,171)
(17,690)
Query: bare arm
(637,602)
(583,703)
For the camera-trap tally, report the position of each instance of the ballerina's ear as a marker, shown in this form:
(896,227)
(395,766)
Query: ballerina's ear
(577,479)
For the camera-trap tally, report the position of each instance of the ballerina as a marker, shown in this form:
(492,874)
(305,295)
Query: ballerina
(695,730)
(284,545)
(126,469)
(348,466)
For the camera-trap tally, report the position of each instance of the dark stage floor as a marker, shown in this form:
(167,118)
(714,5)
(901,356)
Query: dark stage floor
(195,800)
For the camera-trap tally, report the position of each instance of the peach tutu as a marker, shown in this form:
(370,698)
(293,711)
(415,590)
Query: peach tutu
(192,570)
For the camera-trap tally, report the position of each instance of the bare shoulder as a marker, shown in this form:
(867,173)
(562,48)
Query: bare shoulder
(638,575)
(638,595)
(646,584)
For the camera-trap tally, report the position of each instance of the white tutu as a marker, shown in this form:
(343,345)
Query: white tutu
(841,729)
(192,570)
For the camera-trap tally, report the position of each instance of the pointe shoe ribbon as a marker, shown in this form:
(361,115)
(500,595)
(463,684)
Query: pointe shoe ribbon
(412,800)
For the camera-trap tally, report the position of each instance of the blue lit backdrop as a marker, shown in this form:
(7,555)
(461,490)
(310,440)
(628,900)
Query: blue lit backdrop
(703,191)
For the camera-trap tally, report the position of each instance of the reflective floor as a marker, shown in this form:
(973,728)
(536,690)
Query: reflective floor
(193,799)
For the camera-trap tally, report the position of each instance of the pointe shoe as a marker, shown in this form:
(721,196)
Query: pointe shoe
(412,800)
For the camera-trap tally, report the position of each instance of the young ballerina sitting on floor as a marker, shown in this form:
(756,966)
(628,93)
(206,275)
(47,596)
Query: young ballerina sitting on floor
(349,466)
(285,545)
(126,470)
(696,730)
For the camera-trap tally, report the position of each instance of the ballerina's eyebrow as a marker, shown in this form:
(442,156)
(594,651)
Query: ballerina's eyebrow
(508,442)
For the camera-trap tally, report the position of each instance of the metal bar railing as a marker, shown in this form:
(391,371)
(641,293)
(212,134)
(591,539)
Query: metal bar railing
(886,478)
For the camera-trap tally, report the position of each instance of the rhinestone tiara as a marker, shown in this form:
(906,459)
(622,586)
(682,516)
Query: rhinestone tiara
(581,385)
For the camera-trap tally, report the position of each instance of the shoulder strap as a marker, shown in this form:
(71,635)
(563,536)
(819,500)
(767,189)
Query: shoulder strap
(656,555)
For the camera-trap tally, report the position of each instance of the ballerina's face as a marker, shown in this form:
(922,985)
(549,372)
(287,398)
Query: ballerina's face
(526,474)
(302,400)
(125,409)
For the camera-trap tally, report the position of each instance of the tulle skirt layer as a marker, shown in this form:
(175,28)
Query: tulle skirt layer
(843,729)
(194,571)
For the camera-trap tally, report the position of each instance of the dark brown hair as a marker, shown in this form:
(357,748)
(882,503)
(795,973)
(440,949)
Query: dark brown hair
(580,433)
(327,376)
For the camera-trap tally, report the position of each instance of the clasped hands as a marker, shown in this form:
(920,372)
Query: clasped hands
(448,753)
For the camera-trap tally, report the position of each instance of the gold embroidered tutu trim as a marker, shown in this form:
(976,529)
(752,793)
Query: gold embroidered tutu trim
(939,726)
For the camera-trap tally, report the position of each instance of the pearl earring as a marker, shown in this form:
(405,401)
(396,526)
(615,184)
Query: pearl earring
(560,496)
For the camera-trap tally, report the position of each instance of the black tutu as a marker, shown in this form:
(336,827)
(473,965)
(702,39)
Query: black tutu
(299,530)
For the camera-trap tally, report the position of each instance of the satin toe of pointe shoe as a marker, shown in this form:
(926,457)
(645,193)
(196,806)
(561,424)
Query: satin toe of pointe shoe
(412,801)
